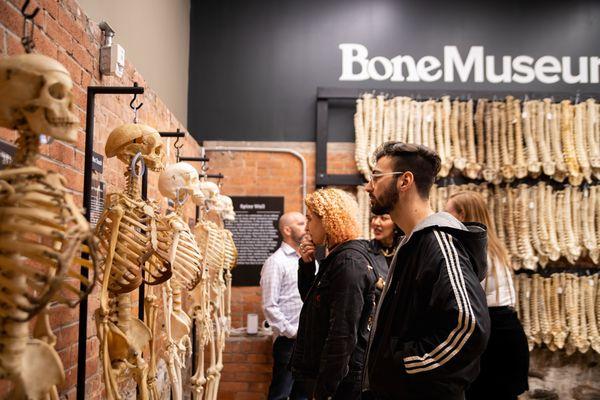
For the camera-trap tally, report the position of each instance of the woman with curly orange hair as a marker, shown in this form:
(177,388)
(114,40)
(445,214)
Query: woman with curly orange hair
(338,301)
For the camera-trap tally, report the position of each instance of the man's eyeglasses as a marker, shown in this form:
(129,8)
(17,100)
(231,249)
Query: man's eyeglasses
(378,175)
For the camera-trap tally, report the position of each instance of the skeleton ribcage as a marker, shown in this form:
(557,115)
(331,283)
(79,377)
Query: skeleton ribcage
(134,251)
(230,250)
(212,244)
(42,235)
(187,260)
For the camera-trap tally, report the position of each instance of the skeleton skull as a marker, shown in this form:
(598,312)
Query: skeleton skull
(210,191)
(178,180)
(129,139)
(35,95)
(224,206)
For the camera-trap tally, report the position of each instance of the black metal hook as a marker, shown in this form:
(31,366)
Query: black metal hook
(29,16)
(27,37)
(177,146)
(135,108)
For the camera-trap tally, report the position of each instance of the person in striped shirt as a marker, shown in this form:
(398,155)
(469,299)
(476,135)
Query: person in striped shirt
(282,304)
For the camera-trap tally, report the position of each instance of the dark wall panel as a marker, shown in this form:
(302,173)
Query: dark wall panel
(255,65)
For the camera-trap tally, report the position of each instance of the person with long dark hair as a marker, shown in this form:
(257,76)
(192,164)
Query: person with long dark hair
(505,362)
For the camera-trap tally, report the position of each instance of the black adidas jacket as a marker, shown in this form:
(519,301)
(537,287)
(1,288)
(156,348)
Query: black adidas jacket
(432,323)
(333,328)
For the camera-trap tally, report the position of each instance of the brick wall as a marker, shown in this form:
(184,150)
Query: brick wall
(63,31)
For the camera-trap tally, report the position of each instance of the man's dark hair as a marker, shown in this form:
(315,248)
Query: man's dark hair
(423,162)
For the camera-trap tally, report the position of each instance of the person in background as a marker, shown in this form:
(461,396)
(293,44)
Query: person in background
(386,236)
(281,304)
(505,362)
(432,323)
(338,301)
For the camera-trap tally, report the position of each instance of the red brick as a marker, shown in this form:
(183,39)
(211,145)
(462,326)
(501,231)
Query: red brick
(74,69)
(67,336)
(71,25)
(79,97)
(59,34)
(45,45)
(51,6)
(92,365)
(258,359)
(61,315)
(252,376)
(11,17)
(13,44)
(233,386)
(260,387)
(249,396)
(83,57)
(86,80)
(61,152)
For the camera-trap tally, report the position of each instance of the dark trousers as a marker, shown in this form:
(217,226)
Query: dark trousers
(282,384)
(505,362)
(348,389)
(368,395)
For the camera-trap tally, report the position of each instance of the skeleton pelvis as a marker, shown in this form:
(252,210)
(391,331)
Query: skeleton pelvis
(41,370)
(126,346)
(181,325)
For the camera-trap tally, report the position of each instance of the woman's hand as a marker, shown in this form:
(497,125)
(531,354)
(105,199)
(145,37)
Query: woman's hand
(307,249)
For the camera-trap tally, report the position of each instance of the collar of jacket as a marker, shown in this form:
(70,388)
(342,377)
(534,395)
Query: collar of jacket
(472,235)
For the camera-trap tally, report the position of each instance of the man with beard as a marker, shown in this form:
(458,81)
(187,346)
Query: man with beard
(432,323)
(282,304)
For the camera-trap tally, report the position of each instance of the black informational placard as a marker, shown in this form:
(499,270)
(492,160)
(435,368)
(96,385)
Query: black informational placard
(7,152)
(255,235)
(97,201)
(262,64)
(97,162)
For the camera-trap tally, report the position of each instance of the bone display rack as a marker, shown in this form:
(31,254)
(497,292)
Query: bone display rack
(533,220)
(505,140)
(560,311)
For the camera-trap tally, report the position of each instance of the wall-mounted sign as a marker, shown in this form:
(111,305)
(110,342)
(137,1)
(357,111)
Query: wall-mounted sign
(255,235)
(474,66)
(97,201)
(97,162)
(7,153)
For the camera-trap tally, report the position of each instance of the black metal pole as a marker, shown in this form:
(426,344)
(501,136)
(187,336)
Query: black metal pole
(92,91)
(177,134)
(202,159)
(142,289)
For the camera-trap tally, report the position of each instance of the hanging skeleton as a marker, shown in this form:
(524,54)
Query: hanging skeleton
(212,314)
(178,182)
(42,231)
(133,252)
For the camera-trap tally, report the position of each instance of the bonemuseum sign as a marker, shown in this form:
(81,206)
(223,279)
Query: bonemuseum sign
(472,66)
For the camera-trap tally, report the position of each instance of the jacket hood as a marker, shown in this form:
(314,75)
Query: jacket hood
(472,235)
(357,244)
